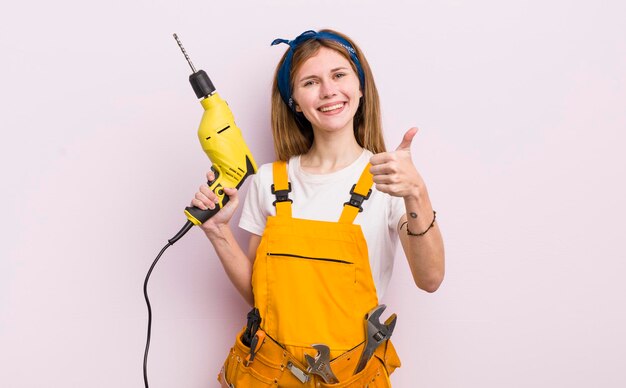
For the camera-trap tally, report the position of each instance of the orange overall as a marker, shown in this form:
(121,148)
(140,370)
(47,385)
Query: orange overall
(312,284)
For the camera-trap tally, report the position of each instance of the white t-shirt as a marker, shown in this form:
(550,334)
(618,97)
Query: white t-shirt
(321,197)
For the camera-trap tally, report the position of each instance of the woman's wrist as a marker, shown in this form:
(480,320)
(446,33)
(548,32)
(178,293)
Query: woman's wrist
(416,194)
(215,231)
(419,210)
(417,200)
(419,234)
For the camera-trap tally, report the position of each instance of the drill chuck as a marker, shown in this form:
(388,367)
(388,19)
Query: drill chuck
(201,84)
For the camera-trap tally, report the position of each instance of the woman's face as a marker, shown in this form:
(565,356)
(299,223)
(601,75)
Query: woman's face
(327,91)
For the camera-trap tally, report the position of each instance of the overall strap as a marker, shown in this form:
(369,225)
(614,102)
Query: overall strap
(281,189)
(359,193)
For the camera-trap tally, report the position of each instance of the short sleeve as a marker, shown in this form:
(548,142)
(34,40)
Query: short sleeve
(254,211)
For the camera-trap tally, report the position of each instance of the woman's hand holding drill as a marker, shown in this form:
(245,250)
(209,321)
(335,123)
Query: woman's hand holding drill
(205,199)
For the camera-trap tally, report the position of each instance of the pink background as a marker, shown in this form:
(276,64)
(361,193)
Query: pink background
(522,113)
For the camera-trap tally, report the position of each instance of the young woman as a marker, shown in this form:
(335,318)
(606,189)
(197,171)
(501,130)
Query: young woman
(324,222)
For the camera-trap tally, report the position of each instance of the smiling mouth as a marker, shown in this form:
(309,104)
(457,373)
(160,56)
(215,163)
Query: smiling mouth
(333,107)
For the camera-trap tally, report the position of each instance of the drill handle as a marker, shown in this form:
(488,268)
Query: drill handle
(199,216)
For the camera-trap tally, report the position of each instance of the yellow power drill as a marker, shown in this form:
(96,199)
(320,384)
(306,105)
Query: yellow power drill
(232,161)
(223,143)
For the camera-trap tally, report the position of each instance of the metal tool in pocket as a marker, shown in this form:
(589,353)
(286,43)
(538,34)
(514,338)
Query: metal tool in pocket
(255,345)
(377,333)
(320,364)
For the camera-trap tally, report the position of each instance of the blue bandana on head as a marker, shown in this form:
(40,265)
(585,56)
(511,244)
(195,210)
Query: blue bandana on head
(284,83)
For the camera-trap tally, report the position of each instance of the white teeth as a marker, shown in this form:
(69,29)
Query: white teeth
(332,107)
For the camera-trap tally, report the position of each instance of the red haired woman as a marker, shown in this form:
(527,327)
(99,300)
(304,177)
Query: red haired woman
(324,222)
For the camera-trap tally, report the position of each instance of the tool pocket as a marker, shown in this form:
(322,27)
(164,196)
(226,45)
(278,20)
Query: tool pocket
(262,372)
(374,375)
(312,290)
(376,372)
(389,357)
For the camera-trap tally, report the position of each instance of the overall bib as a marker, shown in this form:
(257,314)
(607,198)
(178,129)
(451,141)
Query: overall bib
(312,284)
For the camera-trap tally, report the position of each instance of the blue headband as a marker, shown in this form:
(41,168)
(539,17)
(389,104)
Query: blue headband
(284,73)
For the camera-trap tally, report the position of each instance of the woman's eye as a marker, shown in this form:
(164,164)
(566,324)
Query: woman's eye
(340,75)
(307,83)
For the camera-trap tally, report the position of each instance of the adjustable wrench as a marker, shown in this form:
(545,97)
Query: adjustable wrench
(320,365)
(377,333)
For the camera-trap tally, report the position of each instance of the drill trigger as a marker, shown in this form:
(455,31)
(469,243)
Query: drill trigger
(216,173)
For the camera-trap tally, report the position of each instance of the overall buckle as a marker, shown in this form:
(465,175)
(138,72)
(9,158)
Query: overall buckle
(357,199)
(281,195)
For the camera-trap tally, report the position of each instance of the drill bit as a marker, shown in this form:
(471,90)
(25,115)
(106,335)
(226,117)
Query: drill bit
(184,53)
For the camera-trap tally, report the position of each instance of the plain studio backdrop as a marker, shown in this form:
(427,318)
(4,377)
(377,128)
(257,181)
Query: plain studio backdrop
(522,115)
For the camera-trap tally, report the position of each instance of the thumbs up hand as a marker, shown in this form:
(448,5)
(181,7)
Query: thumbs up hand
(394,172)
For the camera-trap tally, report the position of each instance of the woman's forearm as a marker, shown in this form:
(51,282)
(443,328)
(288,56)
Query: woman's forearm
(237,265)
(425,253)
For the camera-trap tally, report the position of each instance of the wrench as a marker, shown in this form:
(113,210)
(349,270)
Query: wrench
(320,365)
(377,333)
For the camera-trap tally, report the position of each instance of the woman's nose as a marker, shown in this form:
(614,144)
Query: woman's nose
(327,90)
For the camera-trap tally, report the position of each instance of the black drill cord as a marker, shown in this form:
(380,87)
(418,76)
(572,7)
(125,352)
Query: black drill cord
(170,242)
(145,294)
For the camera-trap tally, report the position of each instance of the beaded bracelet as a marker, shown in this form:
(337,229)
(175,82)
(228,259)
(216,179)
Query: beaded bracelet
(424,232)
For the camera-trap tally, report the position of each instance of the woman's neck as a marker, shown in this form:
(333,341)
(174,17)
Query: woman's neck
(330,153)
